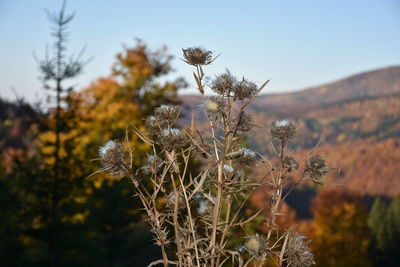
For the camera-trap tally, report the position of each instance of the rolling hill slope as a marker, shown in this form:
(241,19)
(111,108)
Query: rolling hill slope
(357,119)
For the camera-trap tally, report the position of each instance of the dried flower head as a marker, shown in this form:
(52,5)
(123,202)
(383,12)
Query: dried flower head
(256,245)
(245,123)
(112,157)
(283,129)
(210,105)
(197,56)
(245,89)
(290,164)
(223,84)
(213,106)
(167,114)
(153,164)
(316,168)
(246,157)
(172,139)
(298,253)
(152,124)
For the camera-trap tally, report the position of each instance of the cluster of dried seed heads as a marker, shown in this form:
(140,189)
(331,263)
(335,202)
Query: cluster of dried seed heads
(228,86)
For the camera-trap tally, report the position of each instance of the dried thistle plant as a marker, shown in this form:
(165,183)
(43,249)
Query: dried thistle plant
(203,206)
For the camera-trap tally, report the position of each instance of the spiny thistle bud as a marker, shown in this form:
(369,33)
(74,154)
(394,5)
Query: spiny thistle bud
(167,114)
(153,164)
(283,129)
(316,168)
(197,56)
(112,158)
(297,252)
(223,84)
(244,89)
(172,139)
(290,164)
(256,245)
(246,157)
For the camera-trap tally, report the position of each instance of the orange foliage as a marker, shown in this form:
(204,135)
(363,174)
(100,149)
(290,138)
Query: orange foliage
(339,231)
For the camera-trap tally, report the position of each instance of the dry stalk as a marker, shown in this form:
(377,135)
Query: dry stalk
(204,206)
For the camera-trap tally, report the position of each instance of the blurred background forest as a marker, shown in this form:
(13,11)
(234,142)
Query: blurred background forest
(53,213)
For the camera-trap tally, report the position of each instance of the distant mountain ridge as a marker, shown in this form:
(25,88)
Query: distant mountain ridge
(368,84)
(376,83)
(356,118)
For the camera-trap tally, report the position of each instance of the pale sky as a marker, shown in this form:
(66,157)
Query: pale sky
(295,43)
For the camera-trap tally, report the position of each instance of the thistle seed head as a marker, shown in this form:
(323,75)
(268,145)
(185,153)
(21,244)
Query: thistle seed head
(213,106)
(316,168)
(112,157)
(290,164)
(245,89)
(283,129)
(256,245)
(246,122)
(246,157)
(224,84)
(172,139)
(298,253)
(152,124)
(197,56)
(153,164)
(167,114)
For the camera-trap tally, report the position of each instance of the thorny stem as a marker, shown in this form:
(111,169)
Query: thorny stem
(176,223)
(217,204)
(226,228)
(149,212)
(262,260)
(200,76)
(276,197)
(189,212)
(216,212)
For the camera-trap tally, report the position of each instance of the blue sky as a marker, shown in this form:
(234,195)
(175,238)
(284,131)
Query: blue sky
(296,44)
